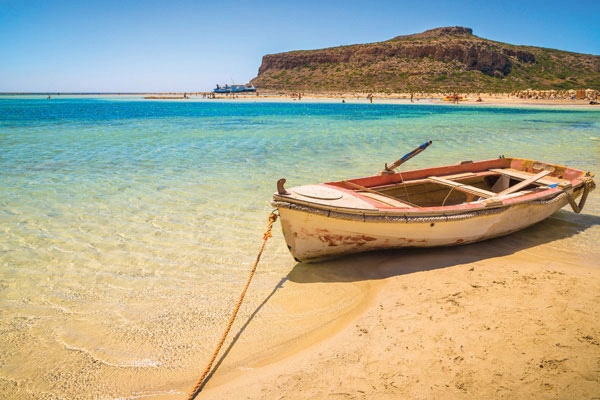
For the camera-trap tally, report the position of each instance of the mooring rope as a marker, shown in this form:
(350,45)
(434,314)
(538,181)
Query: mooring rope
(198,388)
(588,186)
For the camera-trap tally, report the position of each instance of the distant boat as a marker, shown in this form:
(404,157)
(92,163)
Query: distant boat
(441,206)
(234,89)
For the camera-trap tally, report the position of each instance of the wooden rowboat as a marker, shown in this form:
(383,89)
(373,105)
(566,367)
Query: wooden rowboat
(443,206)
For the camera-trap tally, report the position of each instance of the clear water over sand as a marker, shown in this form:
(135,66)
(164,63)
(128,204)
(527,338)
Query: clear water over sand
(127,228)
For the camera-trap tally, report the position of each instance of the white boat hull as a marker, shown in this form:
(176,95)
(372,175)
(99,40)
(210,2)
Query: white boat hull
(312,235)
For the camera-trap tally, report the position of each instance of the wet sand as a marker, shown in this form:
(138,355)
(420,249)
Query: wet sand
(514,317)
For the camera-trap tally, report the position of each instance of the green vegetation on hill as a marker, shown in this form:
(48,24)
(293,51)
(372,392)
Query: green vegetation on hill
(442,59)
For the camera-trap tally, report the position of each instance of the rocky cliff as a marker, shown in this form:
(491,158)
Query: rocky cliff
(449,58)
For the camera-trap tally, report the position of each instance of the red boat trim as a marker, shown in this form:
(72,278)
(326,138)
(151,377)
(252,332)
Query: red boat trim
(480,168)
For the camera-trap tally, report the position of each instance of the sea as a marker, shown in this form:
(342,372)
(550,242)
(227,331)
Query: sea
(128,226)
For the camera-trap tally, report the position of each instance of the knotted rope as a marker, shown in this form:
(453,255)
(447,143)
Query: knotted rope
(588,186)
(198,388)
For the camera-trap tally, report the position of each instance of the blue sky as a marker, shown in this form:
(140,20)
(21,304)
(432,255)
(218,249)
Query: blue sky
(180,45)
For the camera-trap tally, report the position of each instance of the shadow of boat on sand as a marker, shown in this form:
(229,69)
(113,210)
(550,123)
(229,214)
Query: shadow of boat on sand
(385,264)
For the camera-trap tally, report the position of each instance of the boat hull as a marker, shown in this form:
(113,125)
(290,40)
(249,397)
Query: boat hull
(313,235)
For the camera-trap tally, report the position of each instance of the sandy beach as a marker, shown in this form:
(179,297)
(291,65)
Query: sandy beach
(514,317)
(487,99)
(470,99)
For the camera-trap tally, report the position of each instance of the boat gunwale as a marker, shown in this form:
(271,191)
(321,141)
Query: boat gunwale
(481,167)
(549,195)
(425,217)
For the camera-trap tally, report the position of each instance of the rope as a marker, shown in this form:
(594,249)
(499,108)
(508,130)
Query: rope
(588,181)
(588,186)
(198,388)
(448,195)
(404,184)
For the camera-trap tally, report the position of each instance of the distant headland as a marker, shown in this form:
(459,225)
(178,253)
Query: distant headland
(437,60)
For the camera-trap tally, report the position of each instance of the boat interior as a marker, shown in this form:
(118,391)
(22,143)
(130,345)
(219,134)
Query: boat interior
(449,190)
(486,181)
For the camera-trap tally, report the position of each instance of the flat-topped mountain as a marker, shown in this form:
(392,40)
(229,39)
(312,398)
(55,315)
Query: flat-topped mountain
(440,59)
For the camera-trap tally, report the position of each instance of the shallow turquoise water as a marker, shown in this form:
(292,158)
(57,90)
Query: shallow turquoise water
(125,226)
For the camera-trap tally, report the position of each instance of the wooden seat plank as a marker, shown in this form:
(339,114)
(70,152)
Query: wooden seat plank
(398,203)
(525,183)
(414,182)
(387,200)
(462,187)
(522,175)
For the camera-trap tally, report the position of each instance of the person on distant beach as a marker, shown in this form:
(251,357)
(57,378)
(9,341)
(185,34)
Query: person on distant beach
(411,97)
(48,97)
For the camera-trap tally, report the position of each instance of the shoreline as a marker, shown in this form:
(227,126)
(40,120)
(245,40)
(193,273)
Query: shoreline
(500,99)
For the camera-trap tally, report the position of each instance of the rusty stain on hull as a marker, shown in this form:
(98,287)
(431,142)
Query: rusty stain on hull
(333,240)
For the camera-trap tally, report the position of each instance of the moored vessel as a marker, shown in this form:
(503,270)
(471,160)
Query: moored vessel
(234,89)
(440,206)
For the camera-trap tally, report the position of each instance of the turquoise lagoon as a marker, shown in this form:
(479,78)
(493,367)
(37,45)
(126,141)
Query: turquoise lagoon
(127,227)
